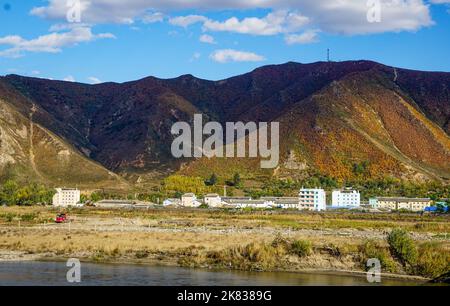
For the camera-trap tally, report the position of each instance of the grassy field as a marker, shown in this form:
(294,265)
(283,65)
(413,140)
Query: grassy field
(258,240)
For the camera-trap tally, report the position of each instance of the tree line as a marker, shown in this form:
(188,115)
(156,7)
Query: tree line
(11,193)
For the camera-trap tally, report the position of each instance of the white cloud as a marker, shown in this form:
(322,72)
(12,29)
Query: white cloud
(307,37)
(50,43)
(207,39)
(94,80)
(185,21)
(153,18)
(272,24)
(334,16)
(35,72)
(350,16)
(69,78)
(230,55)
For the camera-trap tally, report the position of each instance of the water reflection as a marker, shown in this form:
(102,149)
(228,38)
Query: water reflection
(54,273)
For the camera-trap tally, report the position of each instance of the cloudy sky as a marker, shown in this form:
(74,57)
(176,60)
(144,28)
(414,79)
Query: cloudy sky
(94,41)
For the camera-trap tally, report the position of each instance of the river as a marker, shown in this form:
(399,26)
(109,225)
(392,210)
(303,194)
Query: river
(93,274)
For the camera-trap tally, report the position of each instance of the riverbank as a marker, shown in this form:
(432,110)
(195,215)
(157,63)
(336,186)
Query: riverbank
(252,241)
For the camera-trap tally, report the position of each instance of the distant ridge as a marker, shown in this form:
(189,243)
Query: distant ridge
(333,115)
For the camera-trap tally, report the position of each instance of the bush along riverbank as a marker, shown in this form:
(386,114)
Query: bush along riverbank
(399,254)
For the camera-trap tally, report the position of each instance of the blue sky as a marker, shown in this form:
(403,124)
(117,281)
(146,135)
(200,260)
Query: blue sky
(118,41)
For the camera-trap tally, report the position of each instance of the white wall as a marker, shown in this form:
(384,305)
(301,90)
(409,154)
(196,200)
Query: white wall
(213,201)
(346,198)
(312,199)
(66,197)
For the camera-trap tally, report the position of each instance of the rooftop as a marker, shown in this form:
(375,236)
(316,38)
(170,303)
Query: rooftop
(116,202)
(399,199)
(188,195)
(248,202)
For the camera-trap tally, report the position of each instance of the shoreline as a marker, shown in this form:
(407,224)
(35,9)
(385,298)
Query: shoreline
(24,257)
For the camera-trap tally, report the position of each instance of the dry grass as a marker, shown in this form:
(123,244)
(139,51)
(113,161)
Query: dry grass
(275,219)
(201,238)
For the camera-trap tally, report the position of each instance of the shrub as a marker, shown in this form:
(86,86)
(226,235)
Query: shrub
(301,248)
(142,254)
(280,242)
(9,217)
(28,217)
(434,260)
(253,256)
(372,249)
(403,247)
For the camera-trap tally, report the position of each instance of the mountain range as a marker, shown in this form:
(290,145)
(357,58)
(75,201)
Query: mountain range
(346,120)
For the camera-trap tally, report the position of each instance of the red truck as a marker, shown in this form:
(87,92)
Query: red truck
(61,218)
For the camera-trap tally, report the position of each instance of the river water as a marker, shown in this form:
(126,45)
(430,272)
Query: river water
(92,274)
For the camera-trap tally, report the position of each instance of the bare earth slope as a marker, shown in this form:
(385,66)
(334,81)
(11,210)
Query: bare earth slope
(30,151)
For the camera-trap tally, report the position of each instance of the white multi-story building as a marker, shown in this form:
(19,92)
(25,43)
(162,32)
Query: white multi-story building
(312,199)
(346,198)
(66,197)
(189,200)
(213,200)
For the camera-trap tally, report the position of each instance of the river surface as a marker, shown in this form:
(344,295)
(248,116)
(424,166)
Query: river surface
(92,274)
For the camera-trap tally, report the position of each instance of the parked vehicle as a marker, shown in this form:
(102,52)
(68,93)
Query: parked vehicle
(61,218)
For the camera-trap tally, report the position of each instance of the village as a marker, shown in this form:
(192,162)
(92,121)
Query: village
(308,199)
(318,230)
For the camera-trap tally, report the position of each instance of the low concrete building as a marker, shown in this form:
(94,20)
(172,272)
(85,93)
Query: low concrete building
(401,203)
(312,199)
(346,198)
(228,199)
(373,202)
(172,202)
(283,202)
(189,200)
(65,197)
(257,204)
(212,200)
(115,204)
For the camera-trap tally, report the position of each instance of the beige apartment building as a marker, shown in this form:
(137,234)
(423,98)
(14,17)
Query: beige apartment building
(189,200)
(394,203)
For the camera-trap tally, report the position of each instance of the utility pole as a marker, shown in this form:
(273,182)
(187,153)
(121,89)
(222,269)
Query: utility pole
(328,55)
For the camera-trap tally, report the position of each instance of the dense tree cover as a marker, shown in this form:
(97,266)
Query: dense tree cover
(11,193)
(179,183)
